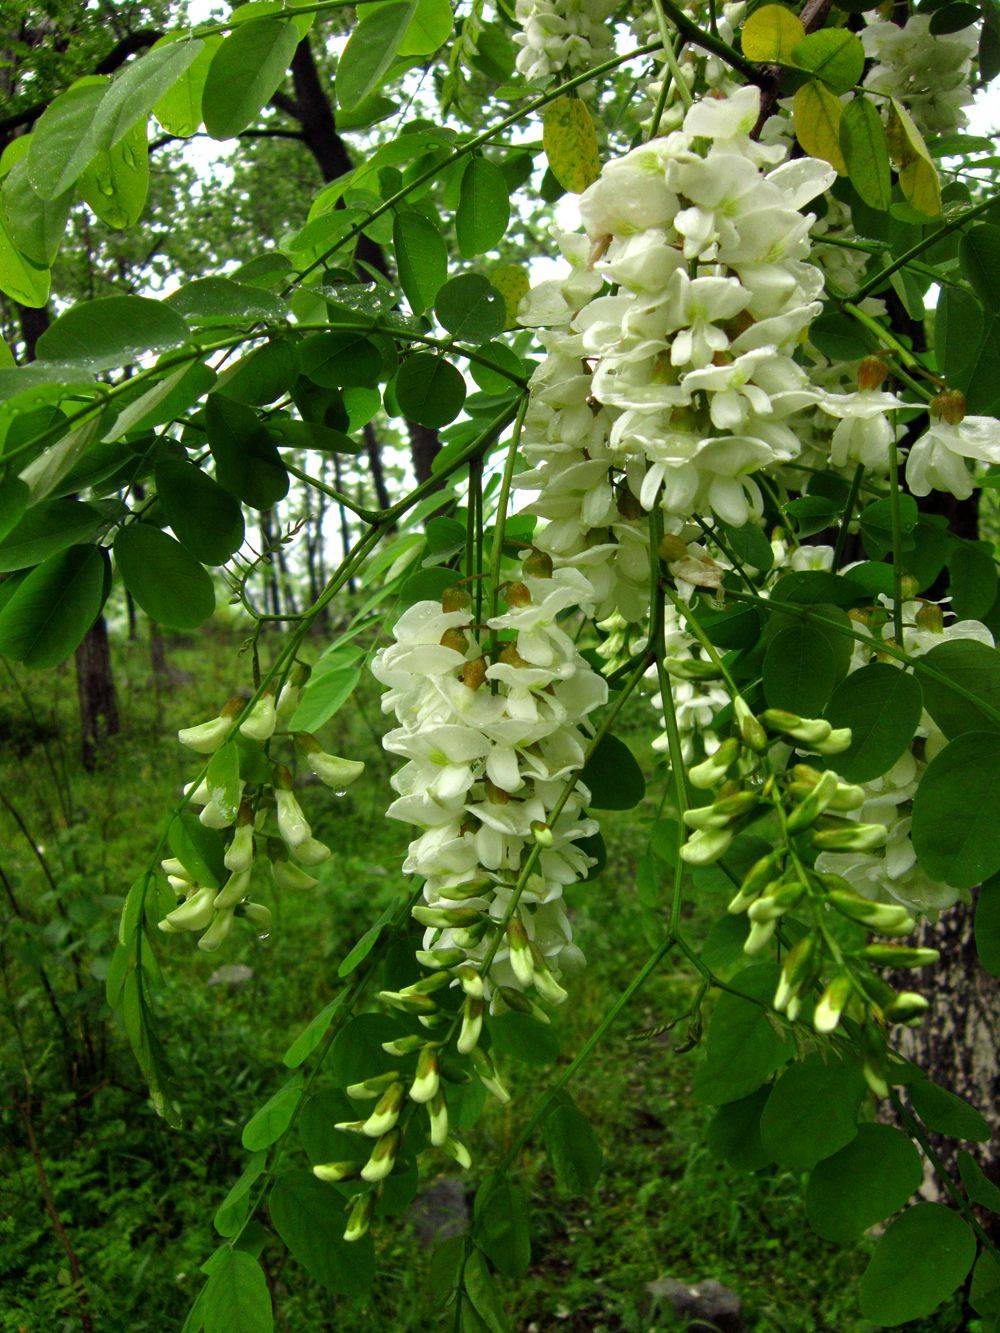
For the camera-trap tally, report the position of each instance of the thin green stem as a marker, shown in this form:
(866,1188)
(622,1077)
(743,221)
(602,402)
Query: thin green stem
(500,522)
(670,55)
(895,511)
(925,244)
(845,521)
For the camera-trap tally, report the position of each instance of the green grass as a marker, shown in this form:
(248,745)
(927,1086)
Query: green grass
(136,1198)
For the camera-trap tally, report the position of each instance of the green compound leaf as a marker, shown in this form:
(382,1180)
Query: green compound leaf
(863,1183)
(956,812)
(924,1255)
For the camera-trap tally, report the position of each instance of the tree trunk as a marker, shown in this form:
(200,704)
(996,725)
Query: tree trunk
(95,689)
(374,452)
(312,109)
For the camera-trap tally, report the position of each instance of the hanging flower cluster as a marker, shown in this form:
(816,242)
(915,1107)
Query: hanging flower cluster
(259,815)
(930,74)
(490,740)
(562,37)
(815,811)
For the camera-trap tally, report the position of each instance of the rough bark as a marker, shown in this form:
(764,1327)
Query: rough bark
(95,688)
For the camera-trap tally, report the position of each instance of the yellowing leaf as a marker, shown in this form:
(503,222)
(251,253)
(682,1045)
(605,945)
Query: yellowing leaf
(770,34)
(816,114)
(570,143)
(918,177)
(512,283)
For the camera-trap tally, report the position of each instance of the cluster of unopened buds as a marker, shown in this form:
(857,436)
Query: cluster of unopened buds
(262,819)
(827,954)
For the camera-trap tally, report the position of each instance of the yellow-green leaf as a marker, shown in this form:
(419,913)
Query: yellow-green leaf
(179,110)
(570,143)
(512,282)
(116,182)
(771,33)
(816,114)
(26,282)
(866,152)
(918,177)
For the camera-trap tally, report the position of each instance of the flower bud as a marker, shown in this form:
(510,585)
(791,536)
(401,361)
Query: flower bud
(692,668)
(544,982)
(809,809)
(175,869)
(401,1046)
(207,737)
(437,1114)
(899,955)
(382,1159)
(235,889)
(195,914)
(332,1172)
(907,1007)
(443,917)
(711,771)
(437,958)
(770,906)
(750,727)
(284,709)
(832,1003)
(472,1025)
(885,918)
(311,852)
(520,953)
(258,915)
(292,823)
(837,742)
(705,846)
(542,833)
(370,1088)
(289,877)
(796,973)
(487,1075)
(259,723)
(427,1079)
(471,981)
(757,878)
(759,936)
(408,1003)
(458,1152)
(811,731)
(851,837)
(329,768)
(216,934)
(360,1216)
(239,853)
(386,1112)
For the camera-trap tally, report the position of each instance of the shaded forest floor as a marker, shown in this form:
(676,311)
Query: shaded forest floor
(136,1199)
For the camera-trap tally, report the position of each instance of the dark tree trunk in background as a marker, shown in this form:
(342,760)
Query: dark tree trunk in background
(95,683)
(269,573)
(95,689)
(374,452)
(312,109)
(133,627)
(346,535)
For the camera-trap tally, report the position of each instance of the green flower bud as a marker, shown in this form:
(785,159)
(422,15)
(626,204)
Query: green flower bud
(427,1078)
(443,917)
(215,936)
(545,983)
(194,914)
(436,958)
(233,891)
(207,737)
(386,1112)
(809,809)
(750,727)
(382,1159)
(797,973)
(311,852)
(711,771)
(329,768)
(360,1216)
(757,878)
(437,1113)
(520,953)
(851,837)
(292,823)
(332,1172)
(487,1074)
(458,1152)
(907,1007)
(770,906)
(706,846)
(832,1003)
(760,934)
(400,1046)
(290,877)
(692,668)
(811,731)
(258,915)
(899,955)
(885,918)
(471,982)
(837,742)
(472,1025)
(259,723)
(408,1003)
(239,853)
(373,1087)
